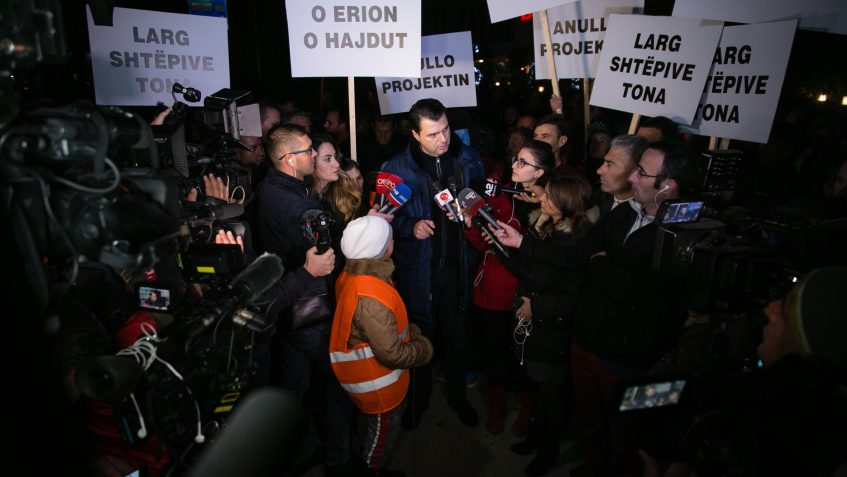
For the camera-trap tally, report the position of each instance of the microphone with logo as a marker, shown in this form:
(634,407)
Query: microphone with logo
(397,198)
(385,183)
(492,188)
(445,199)
(481,216)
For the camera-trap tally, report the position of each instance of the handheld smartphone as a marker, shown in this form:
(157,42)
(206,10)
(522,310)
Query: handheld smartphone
(651,395)
(680,211)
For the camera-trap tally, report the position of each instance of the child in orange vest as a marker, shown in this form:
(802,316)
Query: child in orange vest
(372,343)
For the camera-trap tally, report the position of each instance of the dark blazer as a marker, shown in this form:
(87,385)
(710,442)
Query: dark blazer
(629,314)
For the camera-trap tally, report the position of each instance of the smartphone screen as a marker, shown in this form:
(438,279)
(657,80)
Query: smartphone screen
(644,396)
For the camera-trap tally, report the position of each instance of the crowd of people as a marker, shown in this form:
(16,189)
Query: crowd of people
(570,312)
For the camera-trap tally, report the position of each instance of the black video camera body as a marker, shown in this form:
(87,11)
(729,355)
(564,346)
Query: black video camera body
(316,224)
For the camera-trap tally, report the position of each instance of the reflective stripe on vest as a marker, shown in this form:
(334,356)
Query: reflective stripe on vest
(374,384)
(358,353)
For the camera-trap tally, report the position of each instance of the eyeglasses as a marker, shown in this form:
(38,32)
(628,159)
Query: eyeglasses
(520,162)
(641,173)
(301,151)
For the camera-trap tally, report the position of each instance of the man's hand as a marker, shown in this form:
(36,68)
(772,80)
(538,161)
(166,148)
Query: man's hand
(388,217)
(508,235)
(228,238)
(423,229)
(319,265)
(215,187)
(160,118)
(556,104)
(524,312)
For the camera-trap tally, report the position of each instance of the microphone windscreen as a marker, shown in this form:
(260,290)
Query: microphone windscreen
(386,182)
(399,195)
(470,200)
(259,275)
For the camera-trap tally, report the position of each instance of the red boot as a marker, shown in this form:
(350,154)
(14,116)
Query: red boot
(521,425)
(496,410)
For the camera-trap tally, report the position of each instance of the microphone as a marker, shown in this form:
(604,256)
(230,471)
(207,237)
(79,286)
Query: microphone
(445,199)
(396,199)
(259,276)
(385,183)
(493,188)
(480,216)
(211,210)
(469,199)
(316,228)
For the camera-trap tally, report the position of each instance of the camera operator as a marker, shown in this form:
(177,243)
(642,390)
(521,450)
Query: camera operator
(630,313)
(281,200)
(789,417)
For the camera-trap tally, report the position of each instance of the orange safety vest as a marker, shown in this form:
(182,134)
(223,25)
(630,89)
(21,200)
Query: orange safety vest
(374,388)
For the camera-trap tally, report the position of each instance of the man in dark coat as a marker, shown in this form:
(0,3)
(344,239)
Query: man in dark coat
(434,261)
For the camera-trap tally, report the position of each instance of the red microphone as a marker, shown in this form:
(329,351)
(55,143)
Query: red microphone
(385,183)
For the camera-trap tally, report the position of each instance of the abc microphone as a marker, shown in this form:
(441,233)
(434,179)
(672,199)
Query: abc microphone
(385,183)
(445,199)
(398,197)
(480,216)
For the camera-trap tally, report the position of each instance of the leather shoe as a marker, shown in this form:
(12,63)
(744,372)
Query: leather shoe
(465,411)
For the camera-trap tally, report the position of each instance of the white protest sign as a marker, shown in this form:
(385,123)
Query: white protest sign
(655,66)
(368,38)
(576,32)
(743,87)
(500,10)
(137,61)
(447,74)
(819,15)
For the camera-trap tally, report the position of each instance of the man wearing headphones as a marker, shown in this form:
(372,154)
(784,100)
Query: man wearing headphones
(629,314)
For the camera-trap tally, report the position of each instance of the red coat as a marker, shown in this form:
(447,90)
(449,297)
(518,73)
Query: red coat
(494,287)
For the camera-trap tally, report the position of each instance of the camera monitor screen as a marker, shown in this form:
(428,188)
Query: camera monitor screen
(153,298)
(681,212)
(644,396)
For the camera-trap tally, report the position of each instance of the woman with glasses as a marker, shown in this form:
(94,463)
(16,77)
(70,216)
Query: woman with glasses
(494,287)
(546,300)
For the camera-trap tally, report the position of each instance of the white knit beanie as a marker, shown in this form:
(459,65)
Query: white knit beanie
(366,237)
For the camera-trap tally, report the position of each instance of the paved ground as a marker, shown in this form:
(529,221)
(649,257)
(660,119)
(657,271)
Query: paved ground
(442,447)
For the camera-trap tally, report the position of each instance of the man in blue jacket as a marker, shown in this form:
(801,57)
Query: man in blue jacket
(434,262)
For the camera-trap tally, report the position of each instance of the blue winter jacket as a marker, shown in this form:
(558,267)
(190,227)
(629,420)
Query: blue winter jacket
(411,256)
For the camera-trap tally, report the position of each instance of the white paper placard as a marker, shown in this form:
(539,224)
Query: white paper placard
(137,60)
(500,10)
(819,15)
(447,74)
(655,66)
(577,31)
(743,88)
(362,38)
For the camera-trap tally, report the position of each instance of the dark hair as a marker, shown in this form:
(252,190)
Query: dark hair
(543,154)
(555,120)
(428,108)
(679,164)
(287,117)
(669,128)
(283,135)
(571,194)
(343,114)
(348,164)
(324,138)
(633,144)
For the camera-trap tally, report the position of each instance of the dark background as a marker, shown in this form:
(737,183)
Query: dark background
(259,62)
